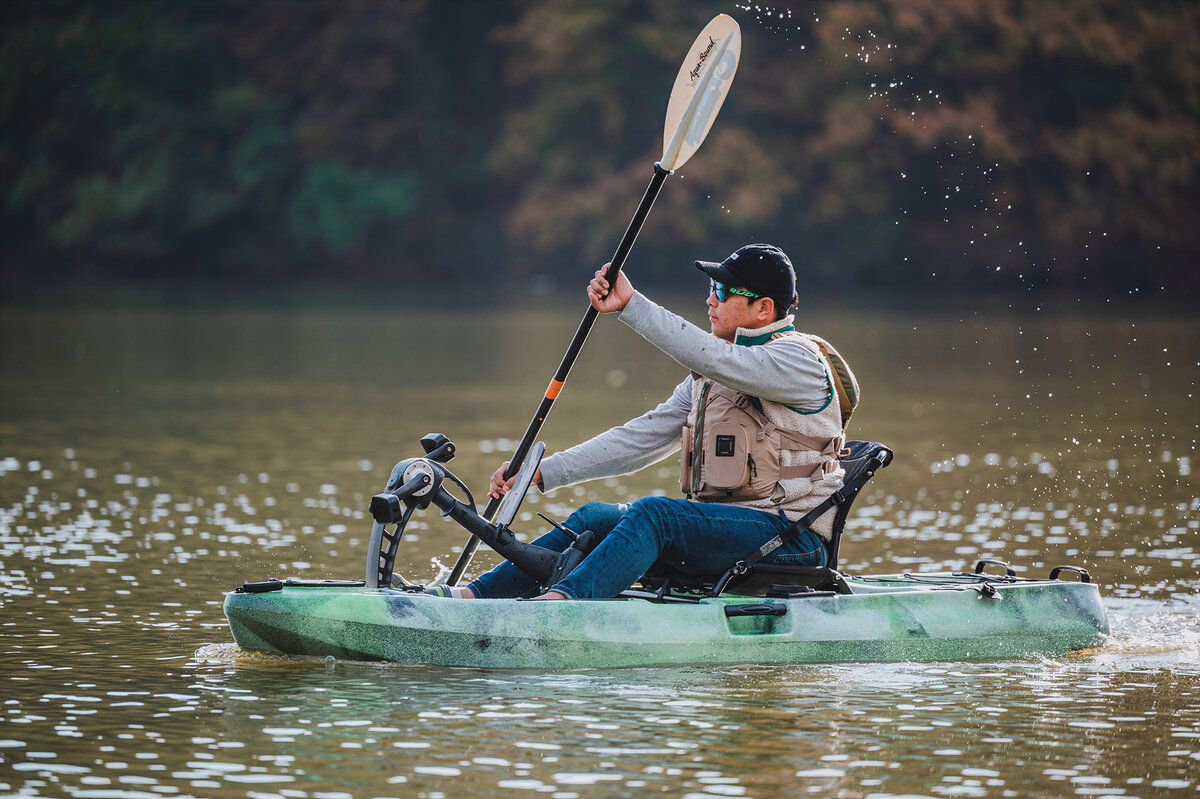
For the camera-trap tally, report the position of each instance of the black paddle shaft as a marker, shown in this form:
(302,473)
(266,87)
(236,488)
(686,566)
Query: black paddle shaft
(564,368)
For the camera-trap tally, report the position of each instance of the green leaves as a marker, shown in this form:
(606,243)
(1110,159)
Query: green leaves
(333,205)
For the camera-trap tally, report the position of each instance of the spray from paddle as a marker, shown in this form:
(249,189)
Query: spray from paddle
(699,91)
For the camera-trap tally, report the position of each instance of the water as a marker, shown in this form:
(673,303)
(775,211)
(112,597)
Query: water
(150,461)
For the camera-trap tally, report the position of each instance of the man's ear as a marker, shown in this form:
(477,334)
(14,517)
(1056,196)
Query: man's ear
(766,310)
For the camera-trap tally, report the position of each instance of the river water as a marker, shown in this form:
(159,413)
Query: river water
(151,460)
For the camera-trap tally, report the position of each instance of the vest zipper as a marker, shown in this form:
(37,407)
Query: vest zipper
(750,464)
(697,446)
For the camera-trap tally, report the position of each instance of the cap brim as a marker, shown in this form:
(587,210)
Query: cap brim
(718,272)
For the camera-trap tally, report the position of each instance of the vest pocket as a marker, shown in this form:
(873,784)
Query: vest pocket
(764,477)
(685,461)
(726,457)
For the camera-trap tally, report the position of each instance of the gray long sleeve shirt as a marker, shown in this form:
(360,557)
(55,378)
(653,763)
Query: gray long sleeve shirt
(781,371)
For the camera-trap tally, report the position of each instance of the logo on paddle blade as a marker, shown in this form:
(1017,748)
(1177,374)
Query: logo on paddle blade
(695,73)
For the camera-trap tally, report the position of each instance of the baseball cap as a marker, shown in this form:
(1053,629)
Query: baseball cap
(762,268)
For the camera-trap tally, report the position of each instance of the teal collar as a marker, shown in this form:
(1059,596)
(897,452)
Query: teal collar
(761,335)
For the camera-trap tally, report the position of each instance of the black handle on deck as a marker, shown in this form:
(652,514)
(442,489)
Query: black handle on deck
(564,368)
(1084,577)
(732,611)
(1008,570)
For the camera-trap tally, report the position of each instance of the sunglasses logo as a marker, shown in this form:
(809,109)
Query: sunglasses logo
(722,291)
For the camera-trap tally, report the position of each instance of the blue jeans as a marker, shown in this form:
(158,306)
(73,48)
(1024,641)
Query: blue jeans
(698,538)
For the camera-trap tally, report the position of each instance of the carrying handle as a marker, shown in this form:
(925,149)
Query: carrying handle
(1084,577)
(1008,570)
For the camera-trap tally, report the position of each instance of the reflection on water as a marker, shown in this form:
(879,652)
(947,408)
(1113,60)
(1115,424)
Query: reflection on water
(149,462)
(227,723)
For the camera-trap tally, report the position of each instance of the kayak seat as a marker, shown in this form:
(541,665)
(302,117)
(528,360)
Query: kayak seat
(777,579)
(862,460)
(765,579)
(748,577)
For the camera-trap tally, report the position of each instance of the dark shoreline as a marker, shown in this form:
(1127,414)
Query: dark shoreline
(453,298)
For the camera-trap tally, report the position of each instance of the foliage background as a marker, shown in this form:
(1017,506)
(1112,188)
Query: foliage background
(937,146)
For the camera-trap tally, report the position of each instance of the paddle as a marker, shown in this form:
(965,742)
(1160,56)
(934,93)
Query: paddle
(699,90)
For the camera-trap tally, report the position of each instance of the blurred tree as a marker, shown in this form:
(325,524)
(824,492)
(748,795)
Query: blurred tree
(393,105)
(1084,118)
(951,143)
(135,145)
(933,144)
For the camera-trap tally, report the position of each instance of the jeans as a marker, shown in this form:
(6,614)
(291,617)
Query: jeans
(698,538)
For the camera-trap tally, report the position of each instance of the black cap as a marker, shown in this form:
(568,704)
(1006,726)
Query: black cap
(761,268)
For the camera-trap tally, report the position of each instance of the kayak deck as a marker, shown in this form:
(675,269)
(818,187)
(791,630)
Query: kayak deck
(918,617)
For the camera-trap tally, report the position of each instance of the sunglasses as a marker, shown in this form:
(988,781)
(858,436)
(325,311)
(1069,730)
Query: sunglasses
(722,291)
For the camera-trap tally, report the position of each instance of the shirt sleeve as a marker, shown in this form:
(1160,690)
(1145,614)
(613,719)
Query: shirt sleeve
(625,449)
(780,370)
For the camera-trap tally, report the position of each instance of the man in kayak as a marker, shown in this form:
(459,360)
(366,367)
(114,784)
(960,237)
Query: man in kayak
(761,430)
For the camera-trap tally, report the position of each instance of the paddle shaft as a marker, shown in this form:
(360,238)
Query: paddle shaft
(564,368)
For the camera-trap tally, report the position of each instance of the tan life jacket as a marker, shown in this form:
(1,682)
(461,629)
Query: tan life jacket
(732,451)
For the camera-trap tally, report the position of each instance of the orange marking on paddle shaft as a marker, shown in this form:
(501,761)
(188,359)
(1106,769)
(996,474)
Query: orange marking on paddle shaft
(553,389)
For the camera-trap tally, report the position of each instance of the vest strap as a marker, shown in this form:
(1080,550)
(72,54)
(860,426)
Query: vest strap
(825,446)
(810,471)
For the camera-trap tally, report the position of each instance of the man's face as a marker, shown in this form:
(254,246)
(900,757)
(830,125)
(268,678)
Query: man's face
(736,311)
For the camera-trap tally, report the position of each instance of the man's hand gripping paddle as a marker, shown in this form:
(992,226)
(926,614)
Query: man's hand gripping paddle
(700,89)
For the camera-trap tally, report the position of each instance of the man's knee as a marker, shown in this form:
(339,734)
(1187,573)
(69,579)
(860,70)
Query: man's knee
(585,512)
(650,509)
(599,517)
(651,522)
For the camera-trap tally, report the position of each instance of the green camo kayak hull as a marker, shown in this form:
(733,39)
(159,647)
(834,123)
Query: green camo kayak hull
(892,618)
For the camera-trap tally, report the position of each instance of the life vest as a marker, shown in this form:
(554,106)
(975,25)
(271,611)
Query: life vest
(762,454)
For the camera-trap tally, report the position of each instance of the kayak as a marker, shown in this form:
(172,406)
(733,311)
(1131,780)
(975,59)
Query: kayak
(753,613)
(903,617)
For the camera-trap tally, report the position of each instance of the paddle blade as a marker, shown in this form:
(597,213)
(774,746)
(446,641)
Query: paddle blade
(700,89)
